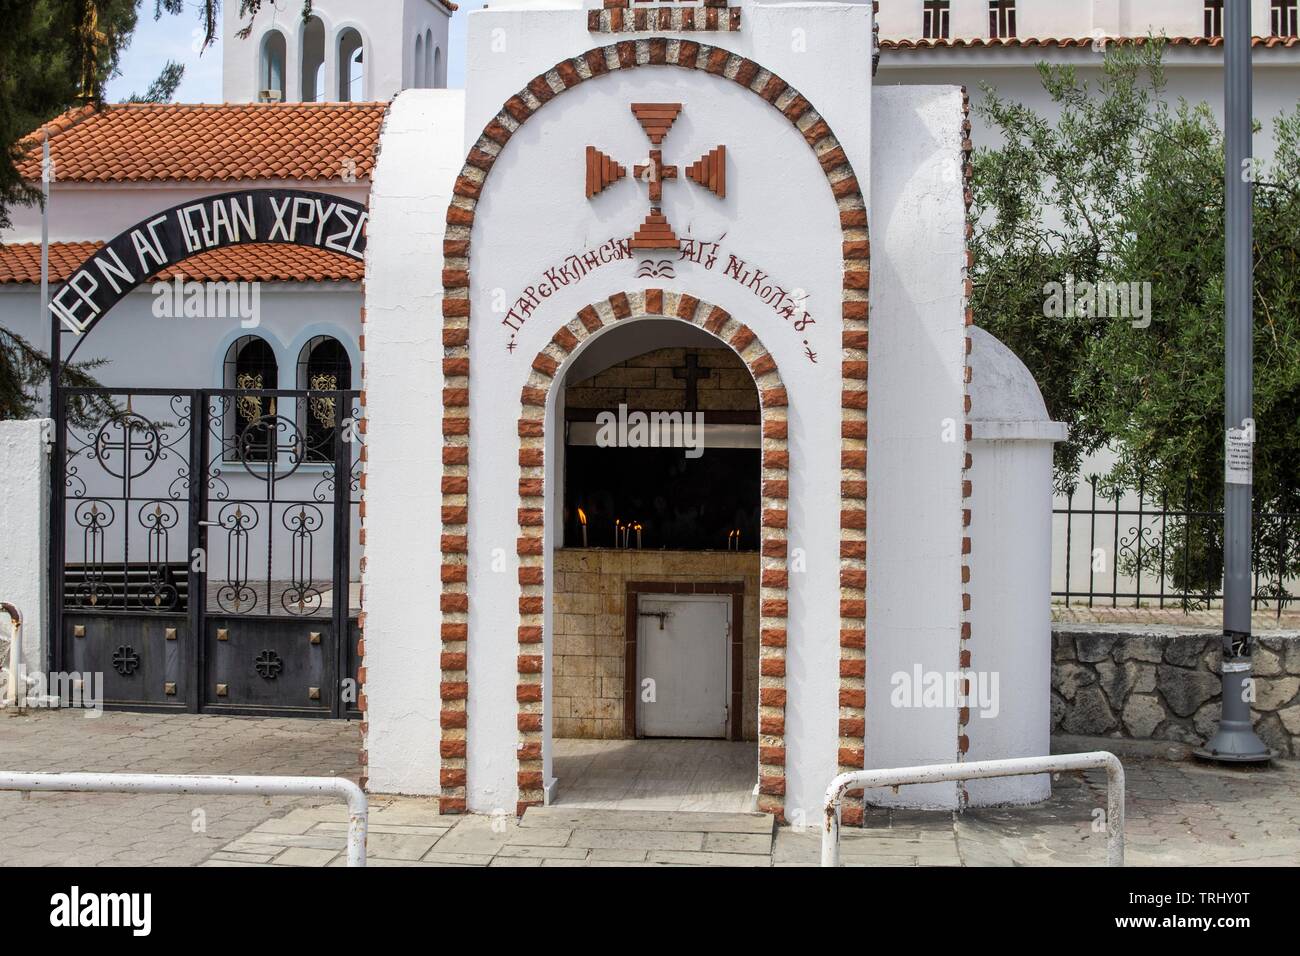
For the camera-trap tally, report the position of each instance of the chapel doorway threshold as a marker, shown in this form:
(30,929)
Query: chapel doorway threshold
(713,776)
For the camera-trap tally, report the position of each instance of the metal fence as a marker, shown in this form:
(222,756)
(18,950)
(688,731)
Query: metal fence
(1117,548)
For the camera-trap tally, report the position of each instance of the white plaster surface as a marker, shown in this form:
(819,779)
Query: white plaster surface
(779,215)
(388,30)
(1078,18)
(24,532)
(913,474)
(420,157)
(1011,534)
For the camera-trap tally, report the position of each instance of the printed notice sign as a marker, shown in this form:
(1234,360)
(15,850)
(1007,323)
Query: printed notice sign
(1239,455)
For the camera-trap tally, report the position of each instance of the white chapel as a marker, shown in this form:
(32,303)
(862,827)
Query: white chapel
(630,393)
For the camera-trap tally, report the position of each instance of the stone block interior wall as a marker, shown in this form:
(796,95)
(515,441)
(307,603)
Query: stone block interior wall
(1164,685)
(589,620)
(651,382)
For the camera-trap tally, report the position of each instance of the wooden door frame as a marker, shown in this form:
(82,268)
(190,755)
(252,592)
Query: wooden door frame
(735,727)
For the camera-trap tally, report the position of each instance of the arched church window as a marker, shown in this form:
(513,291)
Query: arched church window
(323,366)
(250,367)
(352,71)
(313,60)
(419,63)
(439,80)
(430,78)
(271,75)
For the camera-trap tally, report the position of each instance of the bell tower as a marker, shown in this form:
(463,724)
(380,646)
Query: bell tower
(346,50)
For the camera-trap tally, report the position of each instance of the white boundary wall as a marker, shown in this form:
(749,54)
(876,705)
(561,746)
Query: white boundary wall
(24,533)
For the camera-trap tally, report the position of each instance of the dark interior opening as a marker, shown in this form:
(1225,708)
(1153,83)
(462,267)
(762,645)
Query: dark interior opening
(691,477)
(682,504)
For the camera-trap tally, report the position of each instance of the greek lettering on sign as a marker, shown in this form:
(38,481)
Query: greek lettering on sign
(788,302)
(289,216)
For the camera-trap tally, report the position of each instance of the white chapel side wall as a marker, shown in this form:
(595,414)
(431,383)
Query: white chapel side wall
(419,157)
(25,518)
(779,216)
(915,422)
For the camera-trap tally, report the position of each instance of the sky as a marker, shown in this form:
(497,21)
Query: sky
(179,37)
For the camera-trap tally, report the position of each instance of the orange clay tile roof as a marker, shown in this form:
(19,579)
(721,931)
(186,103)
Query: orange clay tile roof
(255,262)
(140,142)
(977,43)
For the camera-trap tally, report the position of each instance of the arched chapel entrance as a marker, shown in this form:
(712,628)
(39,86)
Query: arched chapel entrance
(651,671)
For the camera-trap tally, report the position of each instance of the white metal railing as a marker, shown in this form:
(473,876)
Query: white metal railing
(358,806)
(982,770)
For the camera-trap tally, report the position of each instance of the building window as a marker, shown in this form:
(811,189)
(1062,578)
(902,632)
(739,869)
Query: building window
(419,62)
(1214,18)
(1286,23)
(323,366)
(271,74)
(430,77)
(313,60)
(352,68)
(1002,19)
(935,25)
(250,367)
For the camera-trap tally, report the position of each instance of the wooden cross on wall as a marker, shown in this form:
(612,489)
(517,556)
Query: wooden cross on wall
(692,372)
(709,171)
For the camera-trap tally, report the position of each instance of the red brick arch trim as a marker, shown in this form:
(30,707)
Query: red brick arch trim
(967,492)
(843,184)
(774,592)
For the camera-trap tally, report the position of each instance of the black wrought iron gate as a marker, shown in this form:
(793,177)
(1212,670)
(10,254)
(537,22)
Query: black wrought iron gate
(202,548)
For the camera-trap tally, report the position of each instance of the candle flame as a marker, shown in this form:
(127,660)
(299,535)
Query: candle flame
(582,516)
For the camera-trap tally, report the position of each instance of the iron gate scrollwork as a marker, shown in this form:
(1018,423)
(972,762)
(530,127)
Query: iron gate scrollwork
(203,547)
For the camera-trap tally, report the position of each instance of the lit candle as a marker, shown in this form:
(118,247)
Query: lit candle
(582,519)
(638,535)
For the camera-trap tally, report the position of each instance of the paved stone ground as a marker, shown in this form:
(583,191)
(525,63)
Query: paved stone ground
(109,829)
(1179,812)
(695,775)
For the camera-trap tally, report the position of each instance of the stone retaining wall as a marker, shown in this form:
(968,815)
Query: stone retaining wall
(1163,684)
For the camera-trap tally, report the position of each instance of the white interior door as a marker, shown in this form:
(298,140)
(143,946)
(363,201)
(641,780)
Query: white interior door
(683,673)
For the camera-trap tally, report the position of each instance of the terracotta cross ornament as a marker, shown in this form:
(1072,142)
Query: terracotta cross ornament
(709,171)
